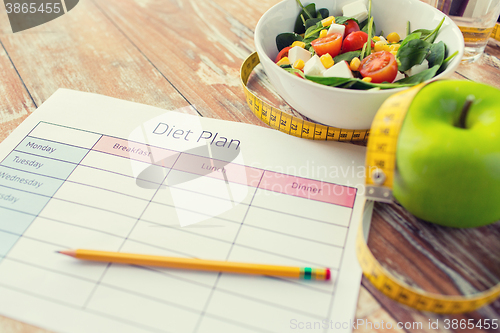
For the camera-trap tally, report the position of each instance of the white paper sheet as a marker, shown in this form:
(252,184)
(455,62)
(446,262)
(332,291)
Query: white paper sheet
(88,171)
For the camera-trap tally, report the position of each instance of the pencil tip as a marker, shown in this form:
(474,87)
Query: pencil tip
(70,253)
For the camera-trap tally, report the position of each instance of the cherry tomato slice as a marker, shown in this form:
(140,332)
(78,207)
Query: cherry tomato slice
(298,74)
(283,53)
(350,26)
(355,41)
(329,44)
(380,66)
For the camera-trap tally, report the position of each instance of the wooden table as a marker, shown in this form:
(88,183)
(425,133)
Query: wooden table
(175,53)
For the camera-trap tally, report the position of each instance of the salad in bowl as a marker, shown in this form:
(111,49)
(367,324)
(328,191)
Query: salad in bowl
(366,45)
(344,51)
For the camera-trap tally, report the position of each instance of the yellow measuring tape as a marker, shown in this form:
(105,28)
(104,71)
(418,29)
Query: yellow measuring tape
(287,123)
(380,169)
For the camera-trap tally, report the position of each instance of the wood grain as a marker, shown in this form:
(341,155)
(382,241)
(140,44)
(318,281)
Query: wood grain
(85,51)
(208,49)
(8,325)
(16,102)
(421,254)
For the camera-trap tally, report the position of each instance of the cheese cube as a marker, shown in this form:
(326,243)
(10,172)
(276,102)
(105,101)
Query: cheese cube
(356,10)
(314,66)
(338,28)
(340,69)
(297,52)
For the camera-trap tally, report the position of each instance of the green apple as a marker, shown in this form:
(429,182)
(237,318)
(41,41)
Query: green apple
(448,169)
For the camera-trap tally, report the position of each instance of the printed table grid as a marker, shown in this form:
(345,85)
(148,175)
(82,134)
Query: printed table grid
(214,288)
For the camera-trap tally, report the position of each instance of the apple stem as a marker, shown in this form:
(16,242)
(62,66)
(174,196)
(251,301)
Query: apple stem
(465,111)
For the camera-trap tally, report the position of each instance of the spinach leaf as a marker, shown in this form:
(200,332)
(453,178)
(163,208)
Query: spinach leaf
(430,35)
(312,23)
(415,35)
(354,83)
(423,32)
(308,12)
(308,41)
(344,19)
(412,53)
(323,13)
(312,33)
(368,44)
(450,57)
(348,85)
(436,54)
(286,39)
(362,85)
(348,56)
(314,30)
(329,81)
(446,60)
(365,26)
(427,74)
(294,71)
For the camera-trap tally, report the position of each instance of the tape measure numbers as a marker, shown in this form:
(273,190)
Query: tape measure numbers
(381,148)
(380,169)
(287,123)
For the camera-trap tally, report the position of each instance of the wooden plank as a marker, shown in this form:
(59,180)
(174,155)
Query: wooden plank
(8,325)
(195,38)
(444,259)
(83,50)
(467,257)
(247,14)
(16,103)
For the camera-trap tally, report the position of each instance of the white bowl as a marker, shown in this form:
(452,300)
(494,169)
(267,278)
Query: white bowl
(338,107)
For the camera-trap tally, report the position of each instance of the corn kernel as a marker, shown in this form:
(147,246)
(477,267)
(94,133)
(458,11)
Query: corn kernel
(367,79)
(393,37)
(283,61)
(299,64)
(376,38)
(379,46)
(328,21)
(354,65)
(299,43)
(327,60)
(394,47)
(386,47)
(394,52)
(323,33)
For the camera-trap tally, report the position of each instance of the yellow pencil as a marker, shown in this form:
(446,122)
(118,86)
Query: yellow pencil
(306,273)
